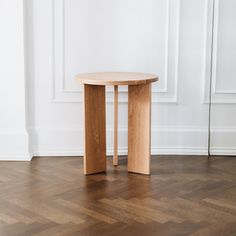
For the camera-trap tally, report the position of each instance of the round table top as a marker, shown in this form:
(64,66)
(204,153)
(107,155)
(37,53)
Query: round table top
(116,78)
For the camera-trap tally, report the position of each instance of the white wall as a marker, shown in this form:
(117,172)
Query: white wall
(162,37)
(171,38)
(223,122)
(13,134)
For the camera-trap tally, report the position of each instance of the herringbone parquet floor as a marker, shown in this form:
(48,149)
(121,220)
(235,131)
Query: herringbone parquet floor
(184,196)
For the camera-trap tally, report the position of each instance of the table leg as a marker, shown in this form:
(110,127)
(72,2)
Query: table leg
(94,129)
(139,128)
(115,157)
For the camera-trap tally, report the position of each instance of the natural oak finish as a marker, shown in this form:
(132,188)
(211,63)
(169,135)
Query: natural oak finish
(139,104)
(116,78)
(184,196)
(139,128)
(94,129)
(115,157)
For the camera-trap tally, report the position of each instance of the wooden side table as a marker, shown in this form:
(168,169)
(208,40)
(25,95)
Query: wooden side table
(139,120)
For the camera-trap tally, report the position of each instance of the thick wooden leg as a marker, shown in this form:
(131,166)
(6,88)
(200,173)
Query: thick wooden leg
(139,128)
(94,129)
(115,157)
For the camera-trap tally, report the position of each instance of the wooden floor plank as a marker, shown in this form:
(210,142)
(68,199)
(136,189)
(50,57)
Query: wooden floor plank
(185,195)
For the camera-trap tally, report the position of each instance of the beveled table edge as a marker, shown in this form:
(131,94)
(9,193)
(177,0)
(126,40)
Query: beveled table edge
(147,78)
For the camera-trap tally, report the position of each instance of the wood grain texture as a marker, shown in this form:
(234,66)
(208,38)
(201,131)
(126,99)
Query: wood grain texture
(185,195)
(139,128)
(116,78)
(115,157)
(94,129)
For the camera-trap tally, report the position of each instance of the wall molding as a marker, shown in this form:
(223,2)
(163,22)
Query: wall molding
(62,94)
(218,96)
(123,151)
(223,151)
(165,141)
(215,52)
(174,151)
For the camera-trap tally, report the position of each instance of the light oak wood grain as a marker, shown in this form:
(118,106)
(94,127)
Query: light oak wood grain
(139,119)
(139,128)
(94,129)
(115,157)
(116,78)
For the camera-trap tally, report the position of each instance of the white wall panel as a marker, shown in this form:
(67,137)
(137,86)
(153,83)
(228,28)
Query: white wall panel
(115,36)
(171,38)
(223,51)
(13,133)
(223,45)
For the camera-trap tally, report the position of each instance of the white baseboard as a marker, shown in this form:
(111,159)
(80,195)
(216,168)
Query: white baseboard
(124,151)
(68,142)
(165,141)
(14,145)
(179,151)
(223,141)
(15,157)
(223,151)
